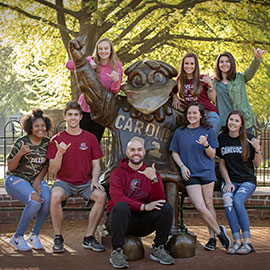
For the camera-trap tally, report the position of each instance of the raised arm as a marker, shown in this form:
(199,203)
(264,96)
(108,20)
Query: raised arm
(55,164)
(13,162)
(252,69)
(97,97)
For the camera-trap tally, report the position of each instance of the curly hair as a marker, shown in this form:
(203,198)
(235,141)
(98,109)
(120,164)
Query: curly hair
(203,121)
(29,119)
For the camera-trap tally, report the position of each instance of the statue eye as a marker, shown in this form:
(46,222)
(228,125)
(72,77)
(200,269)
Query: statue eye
(137,80)
(158,78)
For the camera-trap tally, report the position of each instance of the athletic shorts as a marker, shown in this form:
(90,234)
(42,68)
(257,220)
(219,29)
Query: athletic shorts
(196,181)
(82,190)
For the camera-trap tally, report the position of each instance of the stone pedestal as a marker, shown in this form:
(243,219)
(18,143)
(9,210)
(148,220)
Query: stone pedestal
(182,246)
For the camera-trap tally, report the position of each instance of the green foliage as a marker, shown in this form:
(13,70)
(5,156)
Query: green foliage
(39,32)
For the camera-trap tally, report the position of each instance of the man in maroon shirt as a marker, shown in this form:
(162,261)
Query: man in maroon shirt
(138,206)
(74,156)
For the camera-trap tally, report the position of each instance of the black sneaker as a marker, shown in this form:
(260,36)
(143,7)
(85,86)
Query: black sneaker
(211,245)
(58,244)
(91,242)
(223,237)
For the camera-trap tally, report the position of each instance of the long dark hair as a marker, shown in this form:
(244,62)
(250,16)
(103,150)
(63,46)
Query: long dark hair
(232,72)
(203,121)
(242,135)
(197,85)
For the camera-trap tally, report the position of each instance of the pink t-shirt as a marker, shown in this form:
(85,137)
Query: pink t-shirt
(76,167)
(105,80)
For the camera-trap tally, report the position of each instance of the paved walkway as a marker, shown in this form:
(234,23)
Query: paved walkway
(76,257)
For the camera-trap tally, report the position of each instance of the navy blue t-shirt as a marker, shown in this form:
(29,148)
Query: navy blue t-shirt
(193,154)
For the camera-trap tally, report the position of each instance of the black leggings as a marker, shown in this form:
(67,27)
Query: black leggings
(122,221)
(90,125)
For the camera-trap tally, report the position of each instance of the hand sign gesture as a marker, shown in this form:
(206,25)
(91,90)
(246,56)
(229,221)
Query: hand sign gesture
(258,52)
(24,149)
(114,76)
(203,140)
(149,172)
(76,48)
(62,147)
(207,79)
(255,142)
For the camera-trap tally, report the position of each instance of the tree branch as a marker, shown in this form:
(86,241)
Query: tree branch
(62,21)
(38,18)
(59,8)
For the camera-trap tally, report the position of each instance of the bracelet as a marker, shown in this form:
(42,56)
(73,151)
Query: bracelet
(258,152)
(144,206)
(207,146)
(182,166)
(154,180)
(210,88)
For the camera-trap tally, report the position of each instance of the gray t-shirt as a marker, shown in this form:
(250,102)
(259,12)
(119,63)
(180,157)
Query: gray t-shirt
(224,104)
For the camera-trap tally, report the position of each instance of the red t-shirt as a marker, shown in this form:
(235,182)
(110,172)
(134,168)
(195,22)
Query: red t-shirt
(76,165)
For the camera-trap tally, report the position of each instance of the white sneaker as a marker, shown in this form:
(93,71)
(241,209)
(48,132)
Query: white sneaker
(19,243)
(34,241)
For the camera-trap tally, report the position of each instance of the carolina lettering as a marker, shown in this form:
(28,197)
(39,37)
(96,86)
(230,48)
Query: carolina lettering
(139,127)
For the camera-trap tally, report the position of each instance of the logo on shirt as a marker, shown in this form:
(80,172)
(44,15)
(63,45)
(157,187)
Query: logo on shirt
(231,150)
(83,146)
(135,184)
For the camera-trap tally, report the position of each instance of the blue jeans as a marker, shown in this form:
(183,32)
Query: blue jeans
(235,209)
(214,120)
(21,190)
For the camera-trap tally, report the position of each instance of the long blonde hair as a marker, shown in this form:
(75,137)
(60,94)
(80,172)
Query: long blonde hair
(197,85)
(113,59)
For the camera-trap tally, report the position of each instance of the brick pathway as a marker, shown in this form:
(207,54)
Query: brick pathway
(76,257)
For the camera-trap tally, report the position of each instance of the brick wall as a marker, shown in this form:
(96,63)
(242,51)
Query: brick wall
(259,198)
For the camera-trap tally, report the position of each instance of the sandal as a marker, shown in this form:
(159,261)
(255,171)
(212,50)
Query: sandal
(234,248)
(245,249)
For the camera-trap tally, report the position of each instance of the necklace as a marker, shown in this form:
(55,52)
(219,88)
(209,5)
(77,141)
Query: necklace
(194,132)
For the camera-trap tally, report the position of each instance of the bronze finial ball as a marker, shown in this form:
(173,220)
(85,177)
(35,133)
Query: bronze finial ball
(133,248)
(182,246)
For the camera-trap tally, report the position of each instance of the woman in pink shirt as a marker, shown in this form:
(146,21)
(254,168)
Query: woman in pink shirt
(109,69)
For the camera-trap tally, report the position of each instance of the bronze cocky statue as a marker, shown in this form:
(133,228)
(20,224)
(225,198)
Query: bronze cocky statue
(145,111)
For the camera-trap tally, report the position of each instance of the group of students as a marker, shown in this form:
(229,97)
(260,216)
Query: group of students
(75,153)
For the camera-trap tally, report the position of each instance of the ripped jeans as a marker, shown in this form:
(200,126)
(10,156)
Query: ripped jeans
(22,190)
(235,209)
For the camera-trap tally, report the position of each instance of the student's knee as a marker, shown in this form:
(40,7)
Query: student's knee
(209,205)
(36,197)
(228,199)
(167,208)
(99,196)
(121,207)
(57,195)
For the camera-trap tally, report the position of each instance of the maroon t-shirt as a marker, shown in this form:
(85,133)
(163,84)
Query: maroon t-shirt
(203,98)
(76,165)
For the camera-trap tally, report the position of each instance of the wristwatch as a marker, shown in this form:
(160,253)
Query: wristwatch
(154,180)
